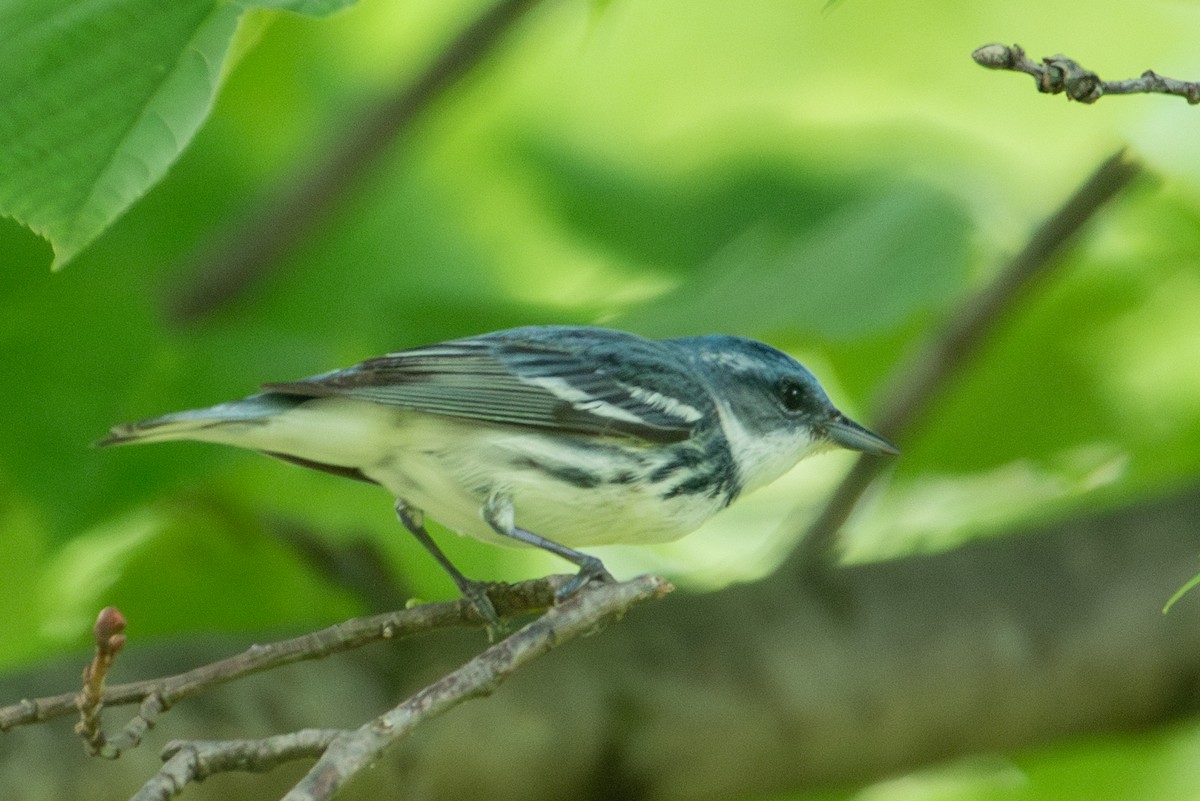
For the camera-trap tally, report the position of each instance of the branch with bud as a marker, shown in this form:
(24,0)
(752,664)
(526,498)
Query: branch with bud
(1062,75)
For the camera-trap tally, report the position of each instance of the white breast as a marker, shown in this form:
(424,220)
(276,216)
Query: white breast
(449,470)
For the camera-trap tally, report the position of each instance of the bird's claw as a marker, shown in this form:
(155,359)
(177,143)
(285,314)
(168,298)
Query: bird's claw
(476,594)
(592,569)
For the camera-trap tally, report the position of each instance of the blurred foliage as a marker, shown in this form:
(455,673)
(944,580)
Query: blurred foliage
(1140,767)
(832,180)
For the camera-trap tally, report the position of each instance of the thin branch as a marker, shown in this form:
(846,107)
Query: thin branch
(918,381)
(156,695)
(1059,74)
(188,761)
(249,250)
(344,753)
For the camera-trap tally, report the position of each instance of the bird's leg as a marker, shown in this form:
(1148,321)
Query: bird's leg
(473,591)
(498,513)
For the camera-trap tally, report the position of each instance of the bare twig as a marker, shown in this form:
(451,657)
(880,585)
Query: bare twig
(249,250)
(155,695)
(1059,74)
(916,383)
(188,761)
(345,753)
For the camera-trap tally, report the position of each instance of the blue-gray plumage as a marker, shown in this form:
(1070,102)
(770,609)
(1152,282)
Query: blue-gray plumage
(582,435)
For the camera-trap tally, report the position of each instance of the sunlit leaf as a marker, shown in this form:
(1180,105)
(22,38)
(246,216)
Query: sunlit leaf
(100,97)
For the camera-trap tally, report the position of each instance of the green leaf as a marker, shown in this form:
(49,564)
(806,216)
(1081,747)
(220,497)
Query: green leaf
(756,245)
(103,96)
(867,267)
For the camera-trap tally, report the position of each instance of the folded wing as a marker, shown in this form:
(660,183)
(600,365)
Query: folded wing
(573,380)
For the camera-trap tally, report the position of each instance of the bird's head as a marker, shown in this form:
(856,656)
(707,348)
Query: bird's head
(773,411)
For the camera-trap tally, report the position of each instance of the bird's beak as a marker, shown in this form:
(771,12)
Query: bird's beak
(849,434)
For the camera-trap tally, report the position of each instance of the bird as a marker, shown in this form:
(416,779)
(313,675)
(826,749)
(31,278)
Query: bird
(558,437)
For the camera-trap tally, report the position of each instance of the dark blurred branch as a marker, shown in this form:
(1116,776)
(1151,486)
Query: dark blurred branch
(250,249)
(342,754)
(509,600)
(917,382)
(756,691)
(1059,74)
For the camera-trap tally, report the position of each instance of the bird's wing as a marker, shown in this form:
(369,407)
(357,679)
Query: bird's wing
(584,384)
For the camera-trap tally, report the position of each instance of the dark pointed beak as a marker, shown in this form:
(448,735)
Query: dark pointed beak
(845,432)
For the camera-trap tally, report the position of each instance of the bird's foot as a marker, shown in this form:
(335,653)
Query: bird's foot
(476,594)
(590,569)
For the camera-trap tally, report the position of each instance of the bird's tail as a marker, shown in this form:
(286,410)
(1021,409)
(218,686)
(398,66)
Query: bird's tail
(203,424)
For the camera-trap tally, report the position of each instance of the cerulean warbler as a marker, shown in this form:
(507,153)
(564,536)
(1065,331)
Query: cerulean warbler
(552,436)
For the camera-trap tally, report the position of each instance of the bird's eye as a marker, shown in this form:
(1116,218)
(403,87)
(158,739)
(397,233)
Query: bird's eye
(793,395)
